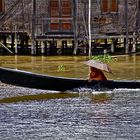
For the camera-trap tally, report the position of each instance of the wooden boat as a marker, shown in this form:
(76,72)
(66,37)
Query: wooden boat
(38,81)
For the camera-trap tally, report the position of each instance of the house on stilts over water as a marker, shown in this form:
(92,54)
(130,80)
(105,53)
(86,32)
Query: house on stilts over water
(61,27)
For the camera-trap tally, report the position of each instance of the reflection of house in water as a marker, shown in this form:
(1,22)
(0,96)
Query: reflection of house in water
(61,26)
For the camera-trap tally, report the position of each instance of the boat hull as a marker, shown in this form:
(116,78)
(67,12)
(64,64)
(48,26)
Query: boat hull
(38,81)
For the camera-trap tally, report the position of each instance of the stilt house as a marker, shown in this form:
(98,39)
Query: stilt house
(62,26)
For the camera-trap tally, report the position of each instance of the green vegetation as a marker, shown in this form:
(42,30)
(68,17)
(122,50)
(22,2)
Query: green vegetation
(104,58)
(61,67)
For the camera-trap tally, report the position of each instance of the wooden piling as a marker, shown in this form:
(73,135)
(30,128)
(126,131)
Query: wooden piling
(64,47)
(42,47)
(112,45)
(12,42)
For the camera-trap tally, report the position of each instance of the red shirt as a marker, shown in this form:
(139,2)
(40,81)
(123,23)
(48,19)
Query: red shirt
(96,74)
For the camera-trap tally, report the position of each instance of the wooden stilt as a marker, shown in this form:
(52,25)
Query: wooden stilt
(73,43)
(105,46)
(113,45)
(37,47)
(12,41)
(16,46)
(5,40)
(64,47)
(5,43)
(134,43)
(46,48)
(21,44)
(42,47)
(27,44)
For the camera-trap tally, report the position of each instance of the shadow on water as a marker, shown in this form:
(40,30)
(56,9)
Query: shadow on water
(92,95)
(38,97)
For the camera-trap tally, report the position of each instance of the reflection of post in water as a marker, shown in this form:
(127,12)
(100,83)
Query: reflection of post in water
(131,61)
(16,62)
(134,66)
(127,59)
(33,62)
(42,63)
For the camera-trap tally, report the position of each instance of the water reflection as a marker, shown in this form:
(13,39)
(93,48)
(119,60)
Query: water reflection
(37,115)
(126,67)
(95,97)
(102,97)
(47,96)
(73,118)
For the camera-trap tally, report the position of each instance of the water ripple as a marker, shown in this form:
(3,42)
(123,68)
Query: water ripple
(90,115)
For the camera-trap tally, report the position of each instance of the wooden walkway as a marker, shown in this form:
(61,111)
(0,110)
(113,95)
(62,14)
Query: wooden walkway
(19,43)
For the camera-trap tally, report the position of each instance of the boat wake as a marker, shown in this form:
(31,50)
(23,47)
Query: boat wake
(102,90)
(90,90)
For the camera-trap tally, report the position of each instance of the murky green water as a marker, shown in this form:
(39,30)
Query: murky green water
(84,115)
(126,67)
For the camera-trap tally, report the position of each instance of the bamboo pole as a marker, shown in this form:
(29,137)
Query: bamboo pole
(89,27)
(16,47)
(33,48)
(75,27)
(126,25)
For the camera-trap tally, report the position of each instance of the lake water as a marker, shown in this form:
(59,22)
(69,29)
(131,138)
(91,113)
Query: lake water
(33,114)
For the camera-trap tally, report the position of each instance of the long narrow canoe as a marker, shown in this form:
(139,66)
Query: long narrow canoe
(39,81)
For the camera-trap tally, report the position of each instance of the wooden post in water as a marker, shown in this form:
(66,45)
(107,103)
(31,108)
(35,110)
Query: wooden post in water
(89,28)
(33,48)
(113,45)
(5,40)
(75,43)
(26,43)
(21,43)
(46,48)
(134,43)
(12,41)
(37,47)
(16,47)
(105,47)
(64,47)
(42,47)
(126,25)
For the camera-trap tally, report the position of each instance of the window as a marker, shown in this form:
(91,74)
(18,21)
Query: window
(105,6)
(60,10)
(54,8)
(54,26)
(108,6)
(66,8)
(54,14)
(114,6)
(66,25)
